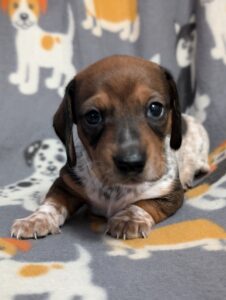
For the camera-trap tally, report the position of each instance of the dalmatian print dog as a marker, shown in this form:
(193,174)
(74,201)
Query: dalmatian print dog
(46,157)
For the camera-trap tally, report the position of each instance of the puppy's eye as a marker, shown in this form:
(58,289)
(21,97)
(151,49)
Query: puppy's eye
(31,6)
(93,117)
(155,111)
(15,5)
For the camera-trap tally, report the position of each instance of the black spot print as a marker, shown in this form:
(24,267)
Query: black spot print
(60,158)
(24,184)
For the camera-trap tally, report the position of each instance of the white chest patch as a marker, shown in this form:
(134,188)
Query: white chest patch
(107,200)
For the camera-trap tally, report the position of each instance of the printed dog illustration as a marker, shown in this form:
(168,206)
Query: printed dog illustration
(192,101)
(115,16)
(200,233)
(215,11)
(29,278)
(46,157)
(36,48)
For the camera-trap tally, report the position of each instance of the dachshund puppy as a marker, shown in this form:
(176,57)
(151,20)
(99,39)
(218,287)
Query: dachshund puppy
(121,155)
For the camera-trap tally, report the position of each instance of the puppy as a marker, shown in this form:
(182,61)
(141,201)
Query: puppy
(121,158)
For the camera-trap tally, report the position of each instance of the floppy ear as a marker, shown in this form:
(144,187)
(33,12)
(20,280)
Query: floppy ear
(43,6)
(4,5)
(63,123)
(176,127)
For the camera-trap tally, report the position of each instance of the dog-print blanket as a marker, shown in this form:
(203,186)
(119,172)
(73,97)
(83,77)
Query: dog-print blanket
(43,43)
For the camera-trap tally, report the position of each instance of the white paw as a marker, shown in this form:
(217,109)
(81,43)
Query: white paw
(14,78)
(87,24)
(51,83)
(97,31)
(27,89)
(36,225)
(61,91)
(130,223)
(124,35)
(216,53)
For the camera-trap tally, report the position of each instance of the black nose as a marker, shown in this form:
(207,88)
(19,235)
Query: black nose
(24,16)
(130,161)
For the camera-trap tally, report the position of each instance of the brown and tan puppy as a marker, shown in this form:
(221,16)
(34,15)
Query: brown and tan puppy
(120,122)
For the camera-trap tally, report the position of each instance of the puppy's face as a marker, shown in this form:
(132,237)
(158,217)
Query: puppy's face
(123,110)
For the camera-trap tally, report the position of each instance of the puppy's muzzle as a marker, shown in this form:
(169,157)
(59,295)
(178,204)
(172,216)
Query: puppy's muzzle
(130,160)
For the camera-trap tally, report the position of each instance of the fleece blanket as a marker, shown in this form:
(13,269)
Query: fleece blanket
(42,45)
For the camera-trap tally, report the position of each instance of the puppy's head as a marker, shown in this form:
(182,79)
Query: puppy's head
(124,107)
(24,13)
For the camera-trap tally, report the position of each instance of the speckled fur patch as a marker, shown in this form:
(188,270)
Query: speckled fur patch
(107,200)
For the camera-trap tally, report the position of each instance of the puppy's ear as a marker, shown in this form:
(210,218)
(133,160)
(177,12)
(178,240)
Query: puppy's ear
(63,123)
(176,127)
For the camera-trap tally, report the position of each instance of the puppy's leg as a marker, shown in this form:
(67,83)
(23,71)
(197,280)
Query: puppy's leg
(138,219)
(58,205)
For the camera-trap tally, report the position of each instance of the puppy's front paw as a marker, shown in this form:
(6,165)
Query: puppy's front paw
(38,224)
(130,223)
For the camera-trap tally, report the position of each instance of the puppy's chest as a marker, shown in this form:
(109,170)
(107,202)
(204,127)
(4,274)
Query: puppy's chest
(106,200)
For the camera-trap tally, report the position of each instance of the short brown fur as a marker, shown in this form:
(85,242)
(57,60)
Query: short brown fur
(121,88)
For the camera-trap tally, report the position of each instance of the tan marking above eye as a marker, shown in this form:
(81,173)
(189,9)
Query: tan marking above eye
(14,5)
(34,7)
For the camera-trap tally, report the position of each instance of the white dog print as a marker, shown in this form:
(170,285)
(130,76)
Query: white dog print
(32,278)
(46,157)
(36,48)
(215,11)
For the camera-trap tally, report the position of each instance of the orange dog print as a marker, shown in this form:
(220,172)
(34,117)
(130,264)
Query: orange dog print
(116,16)
(29,278)
(201,233)
(36,48)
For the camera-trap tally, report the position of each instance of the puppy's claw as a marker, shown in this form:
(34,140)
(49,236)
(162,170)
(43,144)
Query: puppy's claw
(12,234)
(18,235)
(124,236)
(143,234)
(35,235)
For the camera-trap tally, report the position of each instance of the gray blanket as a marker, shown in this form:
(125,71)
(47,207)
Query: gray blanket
(42,45)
